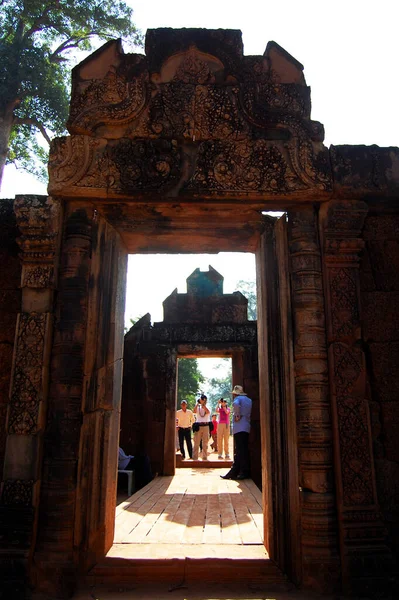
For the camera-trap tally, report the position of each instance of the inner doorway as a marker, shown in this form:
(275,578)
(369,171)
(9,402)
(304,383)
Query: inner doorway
(212,377)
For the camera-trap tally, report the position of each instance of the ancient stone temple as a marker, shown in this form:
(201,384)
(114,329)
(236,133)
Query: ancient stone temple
(203,322)
(184,149)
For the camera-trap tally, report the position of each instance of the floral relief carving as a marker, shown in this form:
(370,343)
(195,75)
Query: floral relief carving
(143,164)
(186,93)
(26,391)
(217,113)
(171,111)
(260,97)
(353,427)
(70,158)
(259,166)
(113,99)
(344,310)
(38,276)
(17,492)
(256,166)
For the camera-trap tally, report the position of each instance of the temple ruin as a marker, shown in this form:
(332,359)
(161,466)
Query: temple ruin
(185,149)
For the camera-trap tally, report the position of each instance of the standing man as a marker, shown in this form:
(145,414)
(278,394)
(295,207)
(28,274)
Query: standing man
(184,420)
(242,406)
(203,416)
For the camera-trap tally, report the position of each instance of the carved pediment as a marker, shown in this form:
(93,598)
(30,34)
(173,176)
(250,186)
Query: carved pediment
(164,121)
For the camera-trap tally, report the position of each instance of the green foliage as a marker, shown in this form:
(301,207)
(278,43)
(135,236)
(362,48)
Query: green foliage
(248,289)
(37,42)
(133,321)
(220,387)
(189,380)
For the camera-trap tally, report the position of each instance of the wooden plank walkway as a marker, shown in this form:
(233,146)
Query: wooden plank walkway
(192,527)
(193,509)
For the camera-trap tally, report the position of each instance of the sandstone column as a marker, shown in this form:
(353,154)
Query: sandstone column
(364,555)
(318,518)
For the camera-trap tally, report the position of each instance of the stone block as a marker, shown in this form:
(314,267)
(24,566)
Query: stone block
(380,316)
(104,387)
(365,170)
(390,429)
(21,457)
(384,261)
(385,371)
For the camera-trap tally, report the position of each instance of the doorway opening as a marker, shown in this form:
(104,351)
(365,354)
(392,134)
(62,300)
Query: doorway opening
(257,348)
(162,367)
(198,377)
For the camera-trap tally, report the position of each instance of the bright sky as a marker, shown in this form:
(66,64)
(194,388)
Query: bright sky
(349,51)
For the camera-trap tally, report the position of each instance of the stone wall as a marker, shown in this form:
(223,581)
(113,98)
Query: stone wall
(379,283)
(10,302)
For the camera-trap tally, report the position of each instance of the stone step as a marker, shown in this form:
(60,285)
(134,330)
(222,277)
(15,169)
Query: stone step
(173,569)
(211,463)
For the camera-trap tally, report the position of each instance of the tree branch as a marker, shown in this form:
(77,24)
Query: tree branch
(72,42)
(35,123)
(42,20)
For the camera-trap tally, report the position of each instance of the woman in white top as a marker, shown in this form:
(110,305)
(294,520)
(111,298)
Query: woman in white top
(203,416)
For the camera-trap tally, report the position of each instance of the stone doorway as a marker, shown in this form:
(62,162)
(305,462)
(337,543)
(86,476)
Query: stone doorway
(152,339)
(182,150)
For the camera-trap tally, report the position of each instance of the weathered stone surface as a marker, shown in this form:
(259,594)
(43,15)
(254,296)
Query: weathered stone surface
(387,474)
(384,364)
(362,171)
(379,313)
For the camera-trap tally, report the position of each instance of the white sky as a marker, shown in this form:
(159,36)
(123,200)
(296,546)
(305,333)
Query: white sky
(350,55)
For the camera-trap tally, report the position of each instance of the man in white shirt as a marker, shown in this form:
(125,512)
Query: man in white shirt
(203,416)
(184,420)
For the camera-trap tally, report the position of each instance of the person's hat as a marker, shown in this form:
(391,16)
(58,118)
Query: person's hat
(238,390)
(183,402)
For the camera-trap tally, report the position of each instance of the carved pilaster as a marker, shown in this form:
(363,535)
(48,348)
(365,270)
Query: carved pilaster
(38,220)
(64,418)
(364,555)
(319,527)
